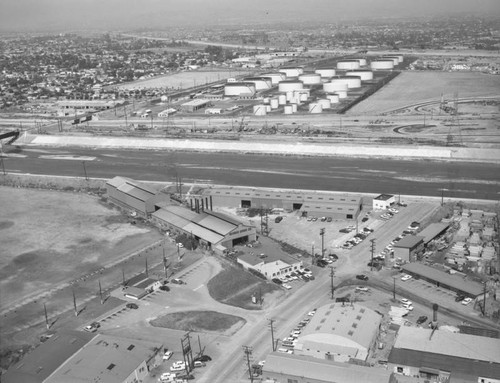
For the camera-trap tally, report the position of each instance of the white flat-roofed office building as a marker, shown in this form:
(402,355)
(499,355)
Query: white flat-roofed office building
(383,201)
(339,332)
(271,266)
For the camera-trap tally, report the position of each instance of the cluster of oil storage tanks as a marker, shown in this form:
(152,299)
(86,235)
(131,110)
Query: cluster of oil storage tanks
(294,85)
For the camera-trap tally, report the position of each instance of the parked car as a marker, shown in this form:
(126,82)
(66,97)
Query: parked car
(329,219)
(286,286)
(362,277)
(167,354)
(203,358)
(364,219)
(277,281)
(178,281)
(164,288)
(459,298)
(132,306)
(167,377)
(406,277)
(360,288)
(92,327)
(422,319)
(466,301)
(278,219)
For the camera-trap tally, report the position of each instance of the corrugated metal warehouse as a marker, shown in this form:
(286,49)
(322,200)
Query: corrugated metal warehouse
(337,206)
(134,195)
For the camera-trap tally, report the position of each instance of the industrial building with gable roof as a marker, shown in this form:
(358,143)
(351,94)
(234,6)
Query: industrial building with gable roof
(337,206)
(271,266)
(339,332)
(441,355)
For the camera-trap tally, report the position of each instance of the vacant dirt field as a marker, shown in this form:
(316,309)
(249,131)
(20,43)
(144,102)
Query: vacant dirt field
(182,80)
(411,88)
(49,237)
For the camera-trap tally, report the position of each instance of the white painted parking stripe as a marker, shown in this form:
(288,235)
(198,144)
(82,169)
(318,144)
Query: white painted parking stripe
(199,287)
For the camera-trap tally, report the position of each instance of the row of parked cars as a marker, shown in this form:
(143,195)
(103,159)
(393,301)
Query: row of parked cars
(300,274)
(288,343)
(358,238)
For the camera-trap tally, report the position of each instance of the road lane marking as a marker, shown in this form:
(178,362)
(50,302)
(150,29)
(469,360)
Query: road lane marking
(199,287)
(67,157)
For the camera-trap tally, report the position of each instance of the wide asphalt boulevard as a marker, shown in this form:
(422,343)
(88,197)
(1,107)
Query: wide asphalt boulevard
(417,177)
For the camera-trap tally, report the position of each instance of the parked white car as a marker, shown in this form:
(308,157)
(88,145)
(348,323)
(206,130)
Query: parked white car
(406,277)
(286,286)
(466,301)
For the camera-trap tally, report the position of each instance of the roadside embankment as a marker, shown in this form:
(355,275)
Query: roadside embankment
(276,148)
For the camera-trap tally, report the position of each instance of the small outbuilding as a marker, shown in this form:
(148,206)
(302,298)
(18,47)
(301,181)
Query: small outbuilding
(383,201)
(408,248)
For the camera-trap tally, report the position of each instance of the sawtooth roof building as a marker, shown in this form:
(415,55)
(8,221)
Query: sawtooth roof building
(213,230)
(286,368)
(443,356)
(339,332)
(135,196)
(337,206)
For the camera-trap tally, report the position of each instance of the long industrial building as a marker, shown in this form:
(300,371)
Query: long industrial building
(337,206)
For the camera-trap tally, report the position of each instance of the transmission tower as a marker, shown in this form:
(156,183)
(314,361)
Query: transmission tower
(264,220)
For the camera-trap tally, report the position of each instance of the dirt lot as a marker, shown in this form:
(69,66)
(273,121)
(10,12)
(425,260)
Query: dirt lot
(410,88)
(49,237)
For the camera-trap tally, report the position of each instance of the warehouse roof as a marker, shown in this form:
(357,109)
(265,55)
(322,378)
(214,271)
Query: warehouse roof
(432,231)
(203,233)
(409,242)
(454,281)
(46,358)
(132,188)
(105,359)
(344,325)
(196,102)
(215,224)
(322,370)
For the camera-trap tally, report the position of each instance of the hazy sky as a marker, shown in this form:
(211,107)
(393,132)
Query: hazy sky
(126,14)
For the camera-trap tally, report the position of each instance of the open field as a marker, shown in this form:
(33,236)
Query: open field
(51,237)
(410,88)
(183,80)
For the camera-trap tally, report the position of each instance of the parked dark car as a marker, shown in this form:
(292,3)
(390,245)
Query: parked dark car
(422,319)
(321,263)
(203,358)
(132,306)
(278,219)
(373,264)
(164,288)
(277,281)
(362,277)
(364,219)
(459,298)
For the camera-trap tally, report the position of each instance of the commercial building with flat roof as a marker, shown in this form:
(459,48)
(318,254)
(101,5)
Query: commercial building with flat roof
(339,332)
(194,105)
(110,359)
(44,360)
(383,201)
(134,195)
(271,266)
(285,368)
(444,356)
(451,282)
(408,248)
(337,206)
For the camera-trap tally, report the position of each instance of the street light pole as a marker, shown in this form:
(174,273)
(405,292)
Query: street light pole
(372,249)
(322,233)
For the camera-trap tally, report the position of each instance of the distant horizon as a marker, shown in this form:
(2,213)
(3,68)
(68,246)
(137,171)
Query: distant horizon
(38,16)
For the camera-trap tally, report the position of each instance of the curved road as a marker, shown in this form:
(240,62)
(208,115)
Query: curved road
(357,175)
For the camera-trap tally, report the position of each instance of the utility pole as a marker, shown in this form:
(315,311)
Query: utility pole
(248,353)
(332,273)
(322,233)
(165,264)
(74,302)
(123,277)
(372,250)
(484,299)
(100,292)
(271,322)
(85,171)
(394,288)
(47,318)
(3,166)
(146,258)
(312,254)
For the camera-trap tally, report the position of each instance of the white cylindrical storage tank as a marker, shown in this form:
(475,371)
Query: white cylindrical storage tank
(334,86)
(310,78)
(274,103)
(281,99)
(352,82)
(364,75)
(259,110)
(325,72)
(275,77)
(290,85)
(303,97)
(291,71)
(400,58)
(394,59)
(341,93)
(289,95)
(294,108)
(334,98)
(348,64)
(382,64)
(232,89)
(288,109)
(315,107)
(268,108)
(261,83)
